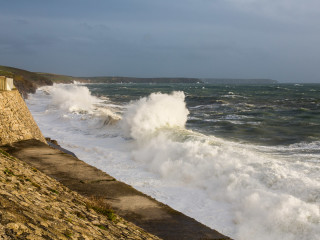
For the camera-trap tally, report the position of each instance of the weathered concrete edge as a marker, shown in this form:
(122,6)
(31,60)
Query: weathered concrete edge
(176,216)
(36,206)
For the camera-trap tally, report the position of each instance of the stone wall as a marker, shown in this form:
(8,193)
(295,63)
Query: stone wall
(35,206)
(2,83)
(16,121)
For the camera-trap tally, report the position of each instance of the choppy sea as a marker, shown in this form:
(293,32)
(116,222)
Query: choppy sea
(244,160)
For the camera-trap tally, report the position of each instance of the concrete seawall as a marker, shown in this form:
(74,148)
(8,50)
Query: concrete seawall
(16,121)
(134,206)
(21,137)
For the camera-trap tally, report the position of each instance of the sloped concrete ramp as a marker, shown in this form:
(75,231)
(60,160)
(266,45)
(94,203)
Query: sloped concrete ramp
(134,206)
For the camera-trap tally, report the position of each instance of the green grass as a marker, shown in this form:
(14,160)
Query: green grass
(6,74)
(104,211)
(5,153)
(67,233)
(53,190)
(36,185)
(103,227)
(100,206)
(57,78)
(8,172)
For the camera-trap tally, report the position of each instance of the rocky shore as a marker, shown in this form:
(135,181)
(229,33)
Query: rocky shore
(36,206)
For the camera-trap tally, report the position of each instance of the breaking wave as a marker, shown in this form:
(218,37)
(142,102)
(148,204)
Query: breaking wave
(74,98)
(270,198)
(244,191)
(148,114)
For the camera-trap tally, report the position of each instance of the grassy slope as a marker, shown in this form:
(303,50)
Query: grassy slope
(57,78)
(106,79)
(25,81)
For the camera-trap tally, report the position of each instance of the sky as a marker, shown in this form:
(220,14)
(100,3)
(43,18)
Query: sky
(275,39)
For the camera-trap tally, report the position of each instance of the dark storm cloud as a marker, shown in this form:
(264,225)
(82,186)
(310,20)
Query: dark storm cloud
(191,38)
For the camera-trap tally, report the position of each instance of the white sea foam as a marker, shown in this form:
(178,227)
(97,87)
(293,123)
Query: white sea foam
(252,182)
(146,115)
(72,98)
(246,192)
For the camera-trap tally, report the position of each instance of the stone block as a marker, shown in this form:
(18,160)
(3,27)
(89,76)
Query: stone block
(16,120)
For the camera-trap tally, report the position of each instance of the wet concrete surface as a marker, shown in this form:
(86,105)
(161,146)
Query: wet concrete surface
(144,211)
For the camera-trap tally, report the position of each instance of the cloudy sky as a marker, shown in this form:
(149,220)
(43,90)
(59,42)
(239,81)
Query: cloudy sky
(277,39)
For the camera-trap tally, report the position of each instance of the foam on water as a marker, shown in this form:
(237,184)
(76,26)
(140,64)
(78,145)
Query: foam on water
(146,115)
(244,191)
(73,98)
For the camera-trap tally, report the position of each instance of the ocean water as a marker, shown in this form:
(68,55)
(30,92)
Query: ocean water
(244,160)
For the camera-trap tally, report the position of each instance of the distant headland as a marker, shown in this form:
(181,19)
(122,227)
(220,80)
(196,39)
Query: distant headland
(27,82)
(238,81)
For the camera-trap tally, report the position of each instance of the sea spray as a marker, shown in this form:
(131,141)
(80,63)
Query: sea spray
(245,191)
(73,98)
(148,114)
(264,206)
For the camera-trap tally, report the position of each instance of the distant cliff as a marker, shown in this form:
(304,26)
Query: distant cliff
(107,79)
(58,78)
(27,82)
(142,80)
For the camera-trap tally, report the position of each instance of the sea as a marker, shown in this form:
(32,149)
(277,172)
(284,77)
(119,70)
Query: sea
(241,159)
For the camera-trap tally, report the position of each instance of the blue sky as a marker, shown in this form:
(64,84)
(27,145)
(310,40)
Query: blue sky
(277,39)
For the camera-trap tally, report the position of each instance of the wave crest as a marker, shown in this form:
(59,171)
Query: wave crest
(73,98)
(148,114)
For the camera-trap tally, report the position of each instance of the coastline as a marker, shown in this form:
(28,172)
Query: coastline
(127,202)
(237,199)
(62,165)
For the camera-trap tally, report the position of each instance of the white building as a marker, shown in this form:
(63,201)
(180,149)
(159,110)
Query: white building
(6,84)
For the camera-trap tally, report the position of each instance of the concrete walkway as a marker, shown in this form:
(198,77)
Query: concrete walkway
(134,206)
